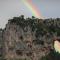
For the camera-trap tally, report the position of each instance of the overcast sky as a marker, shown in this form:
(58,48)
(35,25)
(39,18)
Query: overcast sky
(11,8)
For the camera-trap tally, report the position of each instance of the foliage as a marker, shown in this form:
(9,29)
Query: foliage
(53,55)
(41,26)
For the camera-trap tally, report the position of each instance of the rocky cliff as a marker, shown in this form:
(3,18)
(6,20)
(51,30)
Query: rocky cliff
(30,38)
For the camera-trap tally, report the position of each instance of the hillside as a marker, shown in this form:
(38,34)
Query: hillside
(30,38)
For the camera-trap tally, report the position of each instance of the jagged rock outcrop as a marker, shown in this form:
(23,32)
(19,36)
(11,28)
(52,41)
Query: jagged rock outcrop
(29,39)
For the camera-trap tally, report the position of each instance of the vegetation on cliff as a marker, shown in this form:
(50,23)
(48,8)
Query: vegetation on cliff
(53,55)
(42,26)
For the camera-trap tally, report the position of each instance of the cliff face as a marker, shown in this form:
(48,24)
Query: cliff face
(28,39)
(1,44)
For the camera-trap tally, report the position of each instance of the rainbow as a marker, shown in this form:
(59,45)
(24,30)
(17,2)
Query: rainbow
(34,10)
